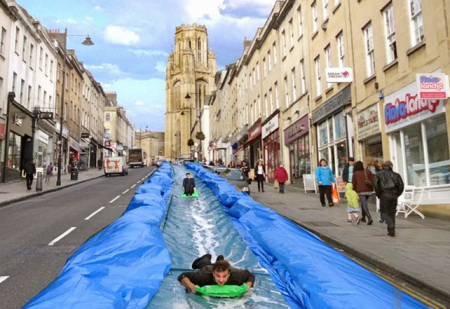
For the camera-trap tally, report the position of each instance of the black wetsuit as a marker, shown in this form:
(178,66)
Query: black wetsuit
(188,185)
(204,276)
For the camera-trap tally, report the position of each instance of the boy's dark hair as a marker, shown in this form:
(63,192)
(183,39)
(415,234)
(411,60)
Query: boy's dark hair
(351,159)
(222,265)
(188,174)
(359,166)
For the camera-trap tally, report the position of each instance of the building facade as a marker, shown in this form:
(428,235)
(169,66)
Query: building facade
(189,82)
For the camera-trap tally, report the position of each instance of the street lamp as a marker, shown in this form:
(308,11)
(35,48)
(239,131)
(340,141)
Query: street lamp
(88,42)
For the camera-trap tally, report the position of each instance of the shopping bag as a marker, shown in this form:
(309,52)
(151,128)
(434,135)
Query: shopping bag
(335,195)
(275,184)
(251,174)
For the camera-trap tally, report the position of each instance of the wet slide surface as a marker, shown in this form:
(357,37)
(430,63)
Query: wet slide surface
(195,226)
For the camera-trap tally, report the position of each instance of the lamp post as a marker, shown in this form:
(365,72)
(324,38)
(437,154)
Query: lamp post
(88,42)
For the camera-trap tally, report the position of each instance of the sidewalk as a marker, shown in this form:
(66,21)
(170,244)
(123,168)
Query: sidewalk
(17,191)
(419,253)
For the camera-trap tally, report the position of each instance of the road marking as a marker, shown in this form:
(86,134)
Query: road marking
(143,179)
(113,200)
(101,208)
(125,191)
(133,186)
(138,182)
(3,278)
(54,241)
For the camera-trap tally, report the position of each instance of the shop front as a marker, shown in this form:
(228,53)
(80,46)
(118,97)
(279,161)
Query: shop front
(271,143)
(296,138)
(334,140)
(253,145)
(369,134)
(43,148)
(74,152)
(418,138)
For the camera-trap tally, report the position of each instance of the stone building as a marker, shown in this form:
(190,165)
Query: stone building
(189,82)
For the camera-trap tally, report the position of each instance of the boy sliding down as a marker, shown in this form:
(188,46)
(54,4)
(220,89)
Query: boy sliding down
(188,185)
(352,203)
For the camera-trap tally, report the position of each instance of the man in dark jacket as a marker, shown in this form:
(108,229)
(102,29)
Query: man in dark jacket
(188,185)
(388,187)
(219,273)
(30,170)
(347,173)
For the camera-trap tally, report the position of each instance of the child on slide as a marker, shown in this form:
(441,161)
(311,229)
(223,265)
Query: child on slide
(188,185)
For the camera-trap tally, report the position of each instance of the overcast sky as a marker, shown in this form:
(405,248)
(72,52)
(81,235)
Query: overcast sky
(133,39)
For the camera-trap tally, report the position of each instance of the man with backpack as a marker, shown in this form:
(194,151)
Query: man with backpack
(49,172)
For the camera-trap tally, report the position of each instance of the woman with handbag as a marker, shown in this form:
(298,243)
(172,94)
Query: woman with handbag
(260,174)
(325,179)
(362,184)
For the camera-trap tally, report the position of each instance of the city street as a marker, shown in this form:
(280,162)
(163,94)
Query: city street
(39,233)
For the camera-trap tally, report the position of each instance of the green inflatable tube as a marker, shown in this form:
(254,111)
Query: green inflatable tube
(222,290)
(195,194)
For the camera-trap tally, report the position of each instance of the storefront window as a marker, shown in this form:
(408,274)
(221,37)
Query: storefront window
(323,133)
(341,149)
(438,153)
(373,149)
(14,151)
(339,123)
(414,155)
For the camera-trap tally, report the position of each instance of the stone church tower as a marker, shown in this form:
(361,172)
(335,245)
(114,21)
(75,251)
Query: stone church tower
(190,72)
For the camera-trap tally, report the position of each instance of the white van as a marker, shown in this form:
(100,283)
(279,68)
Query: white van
(115,165)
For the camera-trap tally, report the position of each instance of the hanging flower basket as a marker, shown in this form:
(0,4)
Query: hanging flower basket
(200,135)
(190,142)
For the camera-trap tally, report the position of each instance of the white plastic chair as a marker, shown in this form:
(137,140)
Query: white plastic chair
(412,206)
(406,197)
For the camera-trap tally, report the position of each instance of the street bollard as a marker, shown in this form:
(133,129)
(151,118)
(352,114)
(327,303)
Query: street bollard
(39,181)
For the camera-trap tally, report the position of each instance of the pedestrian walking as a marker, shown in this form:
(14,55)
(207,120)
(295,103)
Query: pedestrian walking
(281,176)
(363,185)
(30,170)
(347,173)
(325,180)
(48,172)
(352,203)
(245,170)
(100,164)
(260,174)
(388,187)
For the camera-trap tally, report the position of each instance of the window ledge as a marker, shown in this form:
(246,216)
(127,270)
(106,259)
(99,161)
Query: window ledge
(3,57)
(390,65)
(319,97)
(328,89)
(338,5)
(368,79)
(300,37)
(413,49)
(284,57)
(292,47)
(314,34)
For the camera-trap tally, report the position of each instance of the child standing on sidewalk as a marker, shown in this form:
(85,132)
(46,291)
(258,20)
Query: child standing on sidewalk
(352,203)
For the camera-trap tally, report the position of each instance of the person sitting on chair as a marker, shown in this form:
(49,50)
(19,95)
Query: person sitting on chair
(219,273)
(188,185)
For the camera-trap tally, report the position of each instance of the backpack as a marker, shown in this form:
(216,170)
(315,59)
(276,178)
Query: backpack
(49,169)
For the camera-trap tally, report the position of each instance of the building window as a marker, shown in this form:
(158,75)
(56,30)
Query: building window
(275,53)
(39,95)
(257,71)
(318,76)
(266,105)
(300,21)
(31,55)
(22,86)
(294,86)
(269,60)
(341,50)
(29,96)
(264,67)
(391,44)
(14,82)
(328,60)
(286,92)
(416,21)
(254,77)
(272,108)
(283,42)
(302,76)
(2,40)
(314,16)
(277,98)
(41,60)
(325,9)
(24,49)
(107,117)
(370,55)
(291,33)
(16,42)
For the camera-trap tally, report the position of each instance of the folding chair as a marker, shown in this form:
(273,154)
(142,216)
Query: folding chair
(406,197)
(411,206)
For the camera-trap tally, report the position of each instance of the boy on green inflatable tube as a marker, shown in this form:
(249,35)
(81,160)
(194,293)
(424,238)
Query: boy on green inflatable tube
(220,273)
